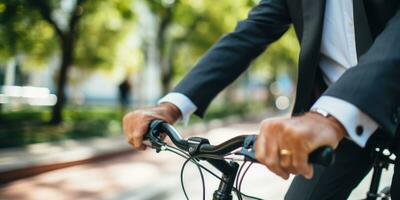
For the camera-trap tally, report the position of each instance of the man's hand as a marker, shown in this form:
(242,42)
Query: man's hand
(136,123)
(284,144)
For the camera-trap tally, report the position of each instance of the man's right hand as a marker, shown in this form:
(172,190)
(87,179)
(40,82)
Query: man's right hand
(136,123)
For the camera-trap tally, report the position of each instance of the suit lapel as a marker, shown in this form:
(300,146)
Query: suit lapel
(361,27)
(313,18)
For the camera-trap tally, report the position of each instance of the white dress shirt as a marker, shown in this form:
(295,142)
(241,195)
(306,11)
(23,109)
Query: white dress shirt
(338,53)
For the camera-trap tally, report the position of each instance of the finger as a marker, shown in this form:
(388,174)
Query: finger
(301,165)
(128,130)
(268,147)
(137,136)
(259,148)
(126,126)
(136,141)
(272,160)
(285,162)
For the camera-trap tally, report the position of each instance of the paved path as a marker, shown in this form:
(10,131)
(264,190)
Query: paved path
(146,175)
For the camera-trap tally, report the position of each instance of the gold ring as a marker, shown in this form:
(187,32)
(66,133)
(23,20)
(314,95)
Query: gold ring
(285,152)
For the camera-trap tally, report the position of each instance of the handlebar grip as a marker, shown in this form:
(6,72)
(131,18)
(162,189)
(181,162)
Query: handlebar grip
(151,138)
(324,156)
(156,127)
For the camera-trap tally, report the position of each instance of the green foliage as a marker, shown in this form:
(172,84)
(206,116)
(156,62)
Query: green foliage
(23,32)
(196,25)
(192,26)
(101,29)
(28,126)
(281,56)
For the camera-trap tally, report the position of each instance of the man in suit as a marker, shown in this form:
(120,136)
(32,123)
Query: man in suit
(348,93)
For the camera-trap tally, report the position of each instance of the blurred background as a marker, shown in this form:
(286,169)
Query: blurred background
(103,58)
(70,69)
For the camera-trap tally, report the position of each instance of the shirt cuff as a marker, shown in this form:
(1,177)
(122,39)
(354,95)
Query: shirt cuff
(358,125)
(184,104)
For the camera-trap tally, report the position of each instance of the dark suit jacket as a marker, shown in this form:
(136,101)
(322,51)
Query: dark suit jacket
(373,86)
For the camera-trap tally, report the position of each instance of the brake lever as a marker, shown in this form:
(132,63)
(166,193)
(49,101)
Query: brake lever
(248,148)
(323,155)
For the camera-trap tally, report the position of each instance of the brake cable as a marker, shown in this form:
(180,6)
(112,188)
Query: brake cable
(188,158)
(242,177)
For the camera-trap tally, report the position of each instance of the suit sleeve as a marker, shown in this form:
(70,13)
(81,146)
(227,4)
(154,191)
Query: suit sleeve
(232,54)
(374,84)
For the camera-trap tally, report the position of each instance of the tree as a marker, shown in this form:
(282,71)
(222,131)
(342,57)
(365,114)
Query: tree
(182,24)
(81,33)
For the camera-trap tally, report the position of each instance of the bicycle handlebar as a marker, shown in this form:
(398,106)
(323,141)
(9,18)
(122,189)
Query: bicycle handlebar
(200,146)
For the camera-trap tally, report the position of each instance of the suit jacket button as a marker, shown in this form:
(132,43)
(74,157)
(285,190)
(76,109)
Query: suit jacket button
(359,130)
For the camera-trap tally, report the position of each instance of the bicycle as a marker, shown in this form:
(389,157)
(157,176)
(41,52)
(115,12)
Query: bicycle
(240,148)
(382,159)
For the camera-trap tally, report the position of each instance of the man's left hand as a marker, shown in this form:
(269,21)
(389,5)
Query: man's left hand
(283,145)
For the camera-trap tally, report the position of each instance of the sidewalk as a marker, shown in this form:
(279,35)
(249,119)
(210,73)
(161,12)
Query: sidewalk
(34,159)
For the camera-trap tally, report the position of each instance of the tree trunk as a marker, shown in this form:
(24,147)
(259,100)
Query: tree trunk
(66,39)
(166,75)
(67,50)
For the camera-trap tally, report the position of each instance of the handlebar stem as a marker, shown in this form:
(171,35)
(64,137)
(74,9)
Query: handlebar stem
(195,144)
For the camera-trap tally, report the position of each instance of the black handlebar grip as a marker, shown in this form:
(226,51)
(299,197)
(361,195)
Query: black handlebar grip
(322,156)
(152,135)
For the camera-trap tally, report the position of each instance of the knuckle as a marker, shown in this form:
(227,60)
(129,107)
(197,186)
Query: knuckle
(273,123)
(269,162)
(137,136)
(296,164)
(258,156)
(303,131)
(268,123)
(288,129)
(138,114)
(300,167)
(285,163)
(132,116)
(298,135)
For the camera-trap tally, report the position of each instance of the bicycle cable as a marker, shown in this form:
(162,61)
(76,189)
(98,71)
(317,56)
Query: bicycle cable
(243,175)
(239,196)
(188,158)
(182,183)
(200,166)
